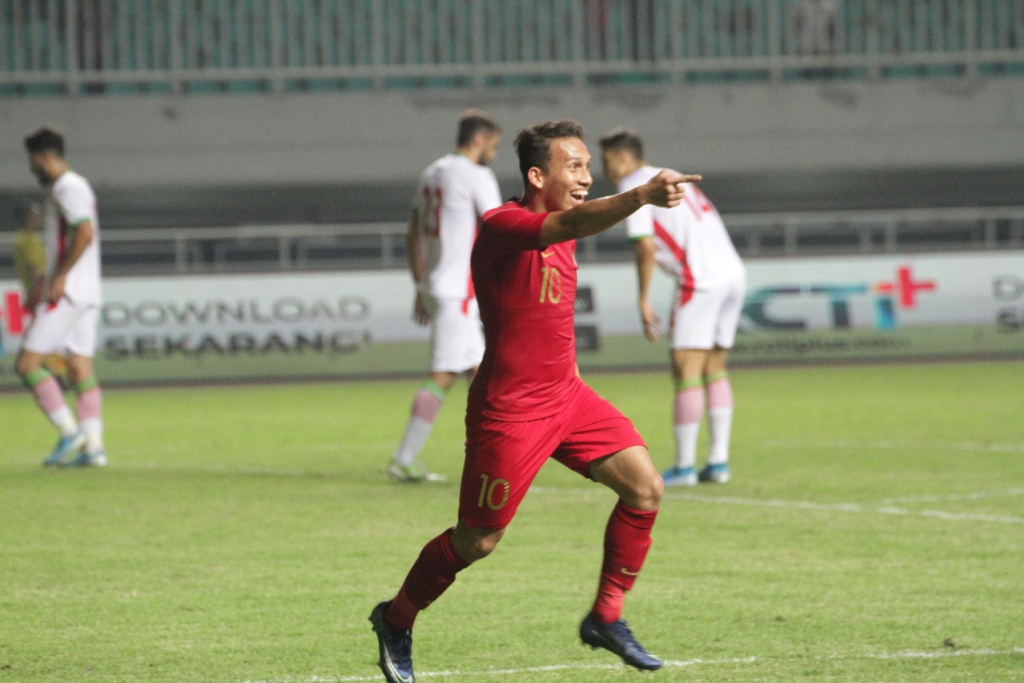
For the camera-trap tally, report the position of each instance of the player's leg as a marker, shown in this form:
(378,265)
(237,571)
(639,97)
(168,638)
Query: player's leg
(720,410)
(633,477)
(719,387)
(48,334)
(692,337)
(596,428)
(501,461)
(434,571)
(687,414)
(457,347)
(89,407)
(426,405)
(440,560)
(50,398)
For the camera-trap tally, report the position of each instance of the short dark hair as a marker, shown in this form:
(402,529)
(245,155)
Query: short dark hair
(622,138)
(533,143)
(473,121)
(46,139)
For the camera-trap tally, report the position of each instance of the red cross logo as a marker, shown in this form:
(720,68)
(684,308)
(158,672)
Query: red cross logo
(905,287)
(13,313)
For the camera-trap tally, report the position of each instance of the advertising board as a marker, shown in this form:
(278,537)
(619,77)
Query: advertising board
(358,324)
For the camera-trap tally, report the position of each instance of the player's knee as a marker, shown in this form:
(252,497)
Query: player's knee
(27,364)
(652,490)
(647,491)
(475,544)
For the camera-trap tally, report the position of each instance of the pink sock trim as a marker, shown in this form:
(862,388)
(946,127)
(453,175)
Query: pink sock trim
(720,394)
(49,395)
(89,405)
(689,406)
(426,405)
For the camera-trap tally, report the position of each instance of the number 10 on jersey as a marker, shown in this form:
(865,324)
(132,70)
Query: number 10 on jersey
(550,285)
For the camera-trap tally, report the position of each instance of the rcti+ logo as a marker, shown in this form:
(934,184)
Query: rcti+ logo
(900,292)
(12,316)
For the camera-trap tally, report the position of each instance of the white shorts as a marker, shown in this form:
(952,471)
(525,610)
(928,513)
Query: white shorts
(456,336)
(65,329)
(708,318)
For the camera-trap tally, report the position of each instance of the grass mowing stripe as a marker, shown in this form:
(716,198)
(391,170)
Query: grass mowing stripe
(669,664)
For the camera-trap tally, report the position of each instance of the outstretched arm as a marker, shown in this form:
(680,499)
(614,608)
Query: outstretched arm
(665,189)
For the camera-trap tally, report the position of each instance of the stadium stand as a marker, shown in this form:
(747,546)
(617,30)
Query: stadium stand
(133,49)
(140,46)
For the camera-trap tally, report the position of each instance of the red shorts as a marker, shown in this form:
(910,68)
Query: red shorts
(502,458)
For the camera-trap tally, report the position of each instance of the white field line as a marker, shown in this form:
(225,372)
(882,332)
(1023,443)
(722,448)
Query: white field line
(900,445)
(856,508)
(979,495)
(850,508)
(668,664)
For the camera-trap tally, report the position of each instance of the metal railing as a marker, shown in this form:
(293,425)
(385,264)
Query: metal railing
(369,246)
(75,46)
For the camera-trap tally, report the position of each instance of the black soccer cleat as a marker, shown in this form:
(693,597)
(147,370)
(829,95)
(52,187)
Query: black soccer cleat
(619,640)
(395,647)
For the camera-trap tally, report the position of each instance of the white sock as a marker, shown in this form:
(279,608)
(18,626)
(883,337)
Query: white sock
(416,433)
(64,420)
(686,444)
(93,435)
(719,428)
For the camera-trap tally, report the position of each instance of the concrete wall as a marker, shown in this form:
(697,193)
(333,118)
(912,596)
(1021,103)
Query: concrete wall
(203,140)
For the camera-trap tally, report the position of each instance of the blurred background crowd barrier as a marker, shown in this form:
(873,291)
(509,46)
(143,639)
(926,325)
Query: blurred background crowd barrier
(76,46)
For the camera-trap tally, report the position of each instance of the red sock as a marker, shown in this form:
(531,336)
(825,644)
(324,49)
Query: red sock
(626,541)
(430,576)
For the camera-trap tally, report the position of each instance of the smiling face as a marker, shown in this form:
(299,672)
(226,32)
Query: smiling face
(567,180)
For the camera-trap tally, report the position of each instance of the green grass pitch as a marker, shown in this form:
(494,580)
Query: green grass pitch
(874,531)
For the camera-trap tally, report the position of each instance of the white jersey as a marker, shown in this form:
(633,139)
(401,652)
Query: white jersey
(454,192)
(71,202)
(692,242)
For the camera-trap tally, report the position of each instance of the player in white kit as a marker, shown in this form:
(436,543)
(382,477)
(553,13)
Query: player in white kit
(66,303)
(453,193)
(690,243)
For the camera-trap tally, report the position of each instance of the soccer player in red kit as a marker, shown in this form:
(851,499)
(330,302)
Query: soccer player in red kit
(528,403)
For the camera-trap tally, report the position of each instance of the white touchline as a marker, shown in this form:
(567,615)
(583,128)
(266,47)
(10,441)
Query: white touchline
(668,663)
(901,445)
(979,495)
(808,505)
(849,507)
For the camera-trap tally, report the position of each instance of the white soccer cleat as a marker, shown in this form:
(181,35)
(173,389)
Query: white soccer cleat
(98,459)
(65,447)
(717,473)
(680,476)
(414,472)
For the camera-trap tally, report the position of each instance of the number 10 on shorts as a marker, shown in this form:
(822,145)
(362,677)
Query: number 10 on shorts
(493,494)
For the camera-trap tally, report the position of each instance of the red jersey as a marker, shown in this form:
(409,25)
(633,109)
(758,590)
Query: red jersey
(526,298)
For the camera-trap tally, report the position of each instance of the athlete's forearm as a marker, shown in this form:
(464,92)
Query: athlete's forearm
(664,189)
(645,265)
(84,234)
(590,218)
(414,250)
